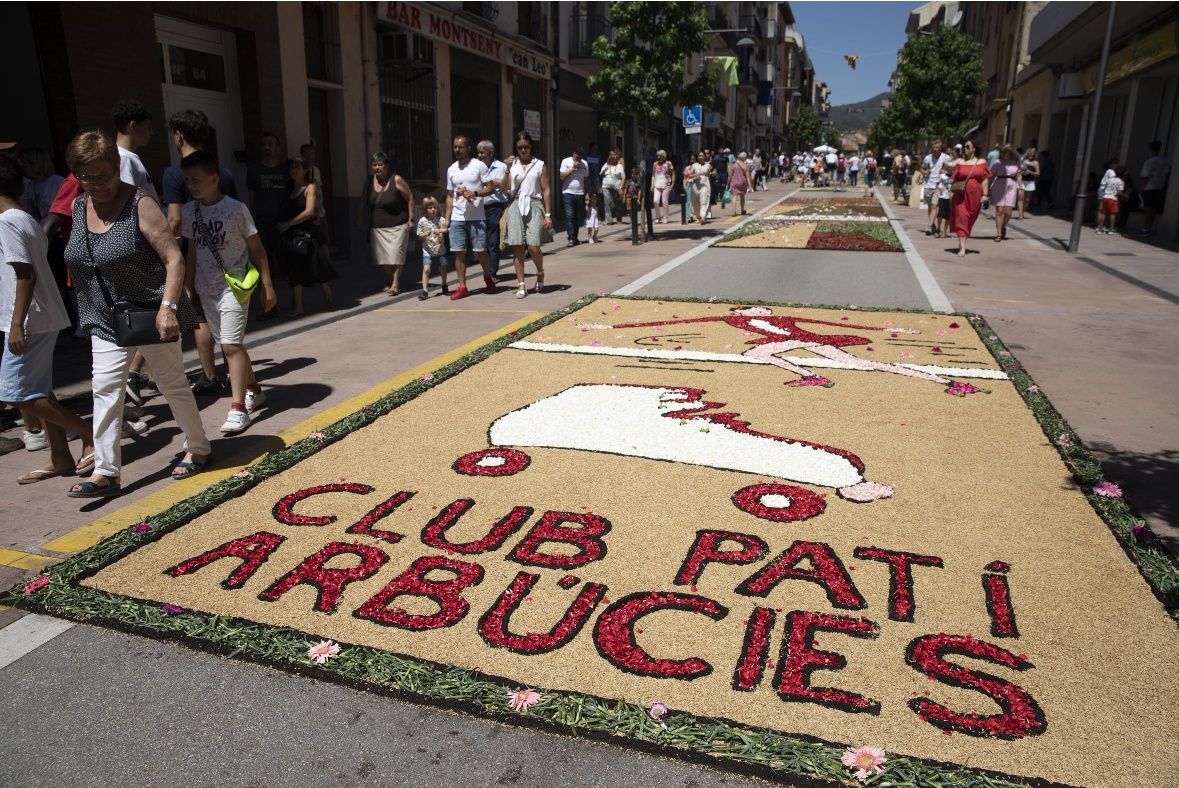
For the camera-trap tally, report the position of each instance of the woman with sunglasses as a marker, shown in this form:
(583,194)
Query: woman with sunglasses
(121,249)
(527,184)
(970,172)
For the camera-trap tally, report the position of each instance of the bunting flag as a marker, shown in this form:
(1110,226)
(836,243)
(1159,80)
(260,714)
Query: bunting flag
(851,60)
(729,69)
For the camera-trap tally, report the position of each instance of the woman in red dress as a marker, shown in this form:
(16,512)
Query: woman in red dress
(967,199)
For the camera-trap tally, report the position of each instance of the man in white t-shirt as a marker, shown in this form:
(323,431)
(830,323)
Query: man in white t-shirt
(931,169)
(133,130)
(31,315)
(853,169)
(467,183)
(1155,172)
(574,172)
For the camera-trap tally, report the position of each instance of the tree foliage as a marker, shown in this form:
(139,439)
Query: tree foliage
(833,137)
(804,128)
(642,70)
(938,78)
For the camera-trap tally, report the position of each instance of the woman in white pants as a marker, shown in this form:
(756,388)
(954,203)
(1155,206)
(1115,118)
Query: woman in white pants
(121,249)
(701,174)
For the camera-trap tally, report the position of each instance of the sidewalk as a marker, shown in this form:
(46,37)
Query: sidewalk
(1097,330)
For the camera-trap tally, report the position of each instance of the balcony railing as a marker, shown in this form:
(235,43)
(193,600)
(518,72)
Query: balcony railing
(584,30)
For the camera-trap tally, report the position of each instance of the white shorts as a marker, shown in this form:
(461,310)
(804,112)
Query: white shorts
(1028,186)
(226,316)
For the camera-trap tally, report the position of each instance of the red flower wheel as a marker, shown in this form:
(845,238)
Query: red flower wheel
(779,503)
(492,462)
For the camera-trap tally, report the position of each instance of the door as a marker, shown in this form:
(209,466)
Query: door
(199,69)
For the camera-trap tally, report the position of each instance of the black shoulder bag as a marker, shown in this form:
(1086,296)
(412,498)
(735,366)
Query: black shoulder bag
(134,323)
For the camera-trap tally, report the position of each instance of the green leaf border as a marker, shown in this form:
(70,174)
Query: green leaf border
(734,746)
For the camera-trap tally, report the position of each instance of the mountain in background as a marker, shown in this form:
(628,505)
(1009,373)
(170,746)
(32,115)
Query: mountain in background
(858,116)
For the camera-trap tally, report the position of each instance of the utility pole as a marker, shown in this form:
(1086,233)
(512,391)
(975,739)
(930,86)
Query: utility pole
(1074,240)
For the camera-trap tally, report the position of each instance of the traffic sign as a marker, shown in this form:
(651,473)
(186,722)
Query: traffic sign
(693,116)
(712,120)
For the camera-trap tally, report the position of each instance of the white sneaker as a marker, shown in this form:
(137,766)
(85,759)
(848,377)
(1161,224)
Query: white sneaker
(255,400)
(35,441)
(235,422)
(134,428)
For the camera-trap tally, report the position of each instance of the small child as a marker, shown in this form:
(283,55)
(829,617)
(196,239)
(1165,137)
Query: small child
(223,239)
(591,217)
(944,197)
(1108,192)
(430,233)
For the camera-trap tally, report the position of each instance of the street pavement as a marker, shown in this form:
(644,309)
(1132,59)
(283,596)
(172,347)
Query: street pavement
(94,707)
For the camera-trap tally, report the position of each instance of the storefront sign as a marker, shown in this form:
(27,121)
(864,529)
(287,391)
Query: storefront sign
(448,28)
(532,124)
(529,64)
(1150,49)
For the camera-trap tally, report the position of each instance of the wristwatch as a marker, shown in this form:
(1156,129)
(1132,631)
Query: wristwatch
(170,304)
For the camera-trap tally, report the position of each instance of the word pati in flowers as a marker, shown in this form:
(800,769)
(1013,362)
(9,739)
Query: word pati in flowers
(429,592)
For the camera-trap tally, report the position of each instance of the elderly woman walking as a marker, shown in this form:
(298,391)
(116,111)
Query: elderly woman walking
(527,183)
(612,175)
(390,203)
(122,250)
(701,174)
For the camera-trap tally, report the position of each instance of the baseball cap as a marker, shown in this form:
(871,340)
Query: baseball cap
(7,145)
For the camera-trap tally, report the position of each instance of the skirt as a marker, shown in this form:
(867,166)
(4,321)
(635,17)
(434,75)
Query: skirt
(389,244)
(525,231)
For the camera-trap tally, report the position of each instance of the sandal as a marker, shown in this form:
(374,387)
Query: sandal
(41,474)
(190,468)
(89,489)
(522,291)
(85,465)
(539,286)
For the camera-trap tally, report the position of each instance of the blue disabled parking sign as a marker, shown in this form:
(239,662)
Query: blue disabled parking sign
(693,119)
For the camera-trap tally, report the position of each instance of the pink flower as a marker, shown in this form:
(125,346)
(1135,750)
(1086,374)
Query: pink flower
(1034,389)
(1064,440)
(243,474)
(812,380)
(906,354)
(596,343)
(171,610)
(36,584)
(142,528)
(962,389)
(657,711)
(1141,532)
(523,699)
(322,651)
(428,376)
(1107,490)
(317,436)
(1004,353)
(864,760)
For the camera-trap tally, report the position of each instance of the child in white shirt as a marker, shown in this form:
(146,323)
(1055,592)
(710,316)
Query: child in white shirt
(592,221)
(944,197)
(433,247)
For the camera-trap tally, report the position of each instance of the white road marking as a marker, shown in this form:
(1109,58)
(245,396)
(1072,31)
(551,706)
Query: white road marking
(933,291)
(676,262)
(28,633)
(813,362)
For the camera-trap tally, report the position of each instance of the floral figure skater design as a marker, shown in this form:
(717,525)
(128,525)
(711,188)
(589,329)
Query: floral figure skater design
(782,333)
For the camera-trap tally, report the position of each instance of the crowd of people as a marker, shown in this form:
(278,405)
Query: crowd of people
(103,254)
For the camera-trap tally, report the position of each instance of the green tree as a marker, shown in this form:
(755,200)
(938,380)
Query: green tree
(641,72)
(886,132)
(804,128)
(833,137)
(938,77)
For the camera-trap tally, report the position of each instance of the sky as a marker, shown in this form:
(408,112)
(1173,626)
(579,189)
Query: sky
(872,30)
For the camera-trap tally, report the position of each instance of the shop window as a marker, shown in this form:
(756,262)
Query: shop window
(534,21)
(321,41)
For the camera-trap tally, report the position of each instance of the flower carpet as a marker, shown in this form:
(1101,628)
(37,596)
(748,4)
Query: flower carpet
(773,232)
(819,544)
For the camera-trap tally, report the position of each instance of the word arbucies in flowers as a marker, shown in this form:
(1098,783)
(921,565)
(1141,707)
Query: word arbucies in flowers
(557,542)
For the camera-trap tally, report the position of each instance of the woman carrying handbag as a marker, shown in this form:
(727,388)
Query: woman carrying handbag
(129,276)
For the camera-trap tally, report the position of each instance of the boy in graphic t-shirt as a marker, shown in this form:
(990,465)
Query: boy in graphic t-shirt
(1110,189)
(222,239)
(31,315)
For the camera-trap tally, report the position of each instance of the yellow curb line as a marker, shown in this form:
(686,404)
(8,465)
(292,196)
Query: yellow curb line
(18,559)
(92,533)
